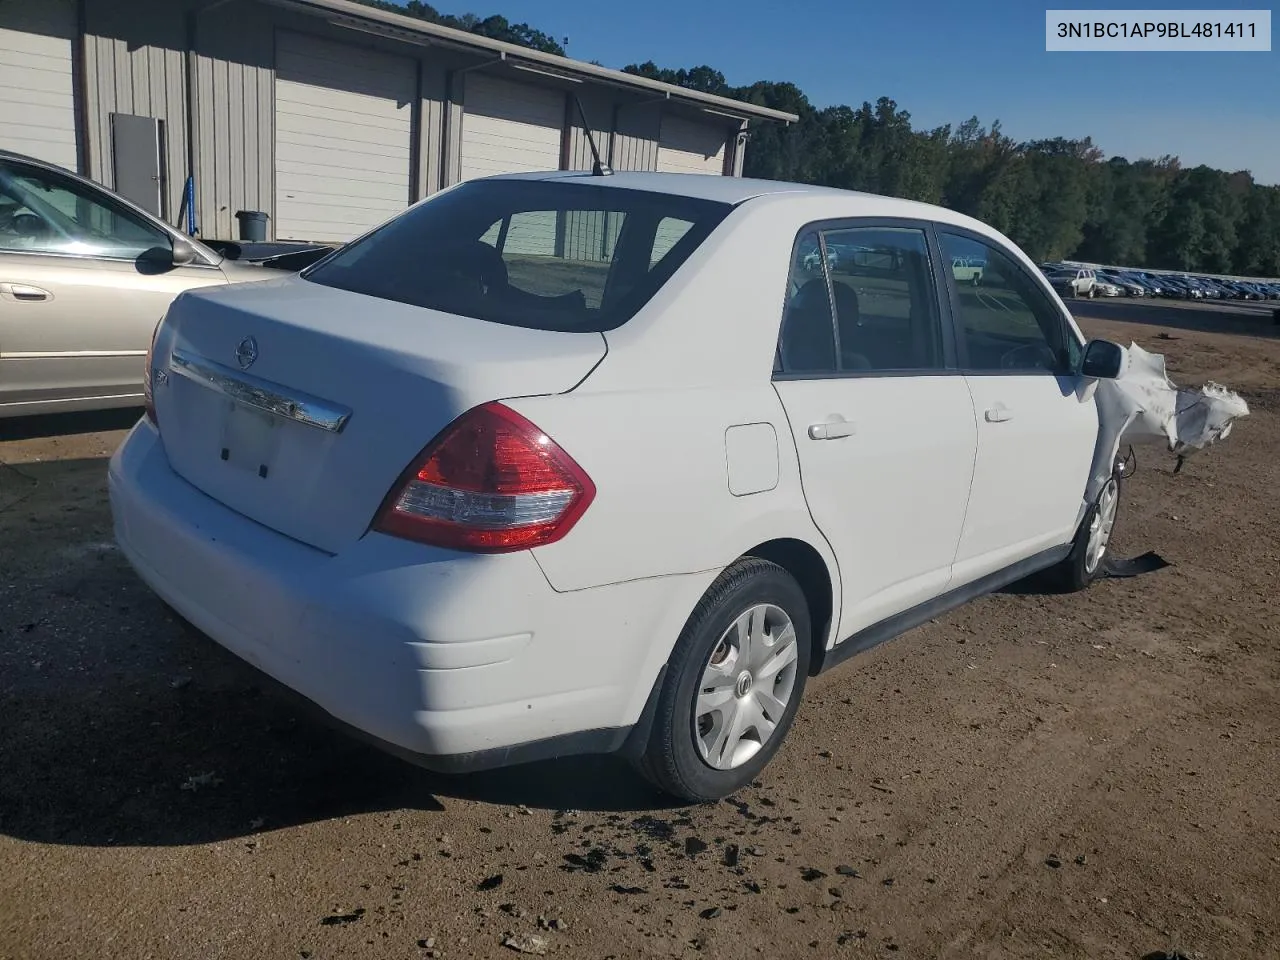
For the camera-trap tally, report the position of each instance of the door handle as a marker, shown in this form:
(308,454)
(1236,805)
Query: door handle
(24,292)
(999,414)
(833,428)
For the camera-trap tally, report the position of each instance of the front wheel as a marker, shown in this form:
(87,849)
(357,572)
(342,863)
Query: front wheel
(1084,563)
(733,685)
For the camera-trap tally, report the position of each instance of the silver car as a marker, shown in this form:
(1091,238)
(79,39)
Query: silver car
(85,276)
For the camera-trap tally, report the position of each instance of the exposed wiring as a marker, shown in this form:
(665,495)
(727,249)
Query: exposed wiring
(1128,466)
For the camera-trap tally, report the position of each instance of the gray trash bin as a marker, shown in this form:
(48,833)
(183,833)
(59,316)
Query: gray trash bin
(253,225)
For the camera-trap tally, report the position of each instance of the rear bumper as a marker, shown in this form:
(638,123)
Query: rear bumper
(455,661)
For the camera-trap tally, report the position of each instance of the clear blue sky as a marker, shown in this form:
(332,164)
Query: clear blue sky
(945,61)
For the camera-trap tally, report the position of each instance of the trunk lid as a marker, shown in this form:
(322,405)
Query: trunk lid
(299,405)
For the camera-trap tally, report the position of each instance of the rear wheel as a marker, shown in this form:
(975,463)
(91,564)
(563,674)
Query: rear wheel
(733,685)
(1089,549)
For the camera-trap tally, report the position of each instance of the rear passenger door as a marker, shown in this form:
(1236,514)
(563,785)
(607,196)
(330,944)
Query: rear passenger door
(882,421)
(1036,425)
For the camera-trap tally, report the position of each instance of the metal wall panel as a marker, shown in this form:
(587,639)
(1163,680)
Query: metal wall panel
(235,116)
(37,87)
(343,137)
(510,126)
(635,140)
(590,236)
(687,146)
(598,106)
(433,88)
(135,63)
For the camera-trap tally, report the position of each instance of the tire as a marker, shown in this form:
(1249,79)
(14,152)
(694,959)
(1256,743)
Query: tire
(1081,567)
(678,758)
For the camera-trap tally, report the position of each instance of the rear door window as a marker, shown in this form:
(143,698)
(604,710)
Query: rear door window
(861,300)
(550,255)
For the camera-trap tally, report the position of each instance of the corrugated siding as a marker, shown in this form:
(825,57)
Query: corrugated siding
(37,99)
(434,90)
(690,147)
(135,61)
(510,127)
(599,110)
(235,117)
(343,131)
(590,236)
(635,144)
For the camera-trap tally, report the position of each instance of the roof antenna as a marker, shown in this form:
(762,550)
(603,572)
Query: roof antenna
(598,167)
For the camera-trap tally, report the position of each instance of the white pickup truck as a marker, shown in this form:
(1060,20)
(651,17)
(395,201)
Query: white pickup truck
(967,271)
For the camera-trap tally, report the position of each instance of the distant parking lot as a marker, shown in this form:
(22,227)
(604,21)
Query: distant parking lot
(1032,775)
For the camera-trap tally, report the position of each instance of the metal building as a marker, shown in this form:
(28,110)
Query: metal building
(327,115)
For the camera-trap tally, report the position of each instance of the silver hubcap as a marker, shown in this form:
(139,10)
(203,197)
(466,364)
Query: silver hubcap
(746,686)
(1104,519)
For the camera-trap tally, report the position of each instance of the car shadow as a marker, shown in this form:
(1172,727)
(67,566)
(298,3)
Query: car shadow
(179,763)
(123,725)
(63,424)
(1245,319)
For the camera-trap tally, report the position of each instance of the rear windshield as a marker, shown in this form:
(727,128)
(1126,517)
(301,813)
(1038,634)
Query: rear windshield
(545,254)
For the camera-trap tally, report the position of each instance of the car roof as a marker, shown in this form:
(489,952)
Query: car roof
(736,190)
(26,158)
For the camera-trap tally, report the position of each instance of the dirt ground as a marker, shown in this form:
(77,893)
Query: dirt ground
(1031,776)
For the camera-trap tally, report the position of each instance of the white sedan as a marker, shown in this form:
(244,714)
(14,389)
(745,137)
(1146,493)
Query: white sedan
(561,463)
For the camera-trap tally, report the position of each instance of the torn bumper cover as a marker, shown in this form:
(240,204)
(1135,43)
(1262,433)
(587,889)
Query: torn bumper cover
(1144,405)
(1151,406)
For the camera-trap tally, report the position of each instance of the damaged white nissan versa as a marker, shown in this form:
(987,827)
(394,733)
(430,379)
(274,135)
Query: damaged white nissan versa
(560,463)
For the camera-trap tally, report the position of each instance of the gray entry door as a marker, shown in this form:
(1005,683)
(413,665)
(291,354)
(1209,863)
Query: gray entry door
(135,144)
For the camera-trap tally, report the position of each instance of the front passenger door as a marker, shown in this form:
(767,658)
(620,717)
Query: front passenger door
(1036,424)
(882,422)
(83,282)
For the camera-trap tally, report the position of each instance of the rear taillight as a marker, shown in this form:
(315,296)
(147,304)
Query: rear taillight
(491,482)
(148,396)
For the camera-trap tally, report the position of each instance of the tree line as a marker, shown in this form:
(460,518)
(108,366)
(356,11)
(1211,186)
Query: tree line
(1056,198)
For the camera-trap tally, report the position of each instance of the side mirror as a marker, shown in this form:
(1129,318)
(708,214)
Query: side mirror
(1103,360)
(183,253)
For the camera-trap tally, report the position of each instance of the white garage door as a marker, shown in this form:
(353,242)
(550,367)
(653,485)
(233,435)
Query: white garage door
(37,100)
(687,147)
(344,122)
(510,127)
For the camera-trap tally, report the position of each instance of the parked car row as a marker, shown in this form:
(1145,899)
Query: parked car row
(1074,281)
